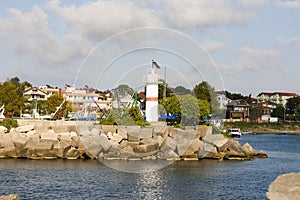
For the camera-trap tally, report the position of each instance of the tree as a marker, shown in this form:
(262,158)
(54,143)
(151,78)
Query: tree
(291,105)
(237,96)
(188,108)
(161,88)
(122,90)
(180,90)
(255,112)
(206,92)
(278,112)
(298,113)
(9,96)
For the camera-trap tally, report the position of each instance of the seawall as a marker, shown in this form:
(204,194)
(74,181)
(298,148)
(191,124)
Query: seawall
(35,139)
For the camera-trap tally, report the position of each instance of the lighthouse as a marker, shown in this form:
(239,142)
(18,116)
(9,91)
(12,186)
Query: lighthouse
(152,80)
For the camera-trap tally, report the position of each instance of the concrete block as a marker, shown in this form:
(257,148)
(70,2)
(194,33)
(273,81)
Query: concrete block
(3,129)
(24,129)
(49,135)
(133,131)
(109,128)
(146,132)
(169,144)
(19,140)
(146,148)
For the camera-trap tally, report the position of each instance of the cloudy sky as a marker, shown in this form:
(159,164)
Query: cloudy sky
(243,46)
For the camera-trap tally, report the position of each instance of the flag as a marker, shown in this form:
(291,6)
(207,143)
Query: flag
(155,64)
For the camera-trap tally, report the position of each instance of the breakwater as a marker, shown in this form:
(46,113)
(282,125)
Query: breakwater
(74,140)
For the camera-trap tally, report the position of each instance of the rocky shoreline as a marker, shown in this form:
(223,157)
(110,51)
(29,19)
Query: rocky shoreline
(85,140)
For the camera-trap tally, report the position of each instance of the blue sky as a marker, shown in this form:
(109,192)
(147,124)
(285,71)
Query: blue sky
(243,46)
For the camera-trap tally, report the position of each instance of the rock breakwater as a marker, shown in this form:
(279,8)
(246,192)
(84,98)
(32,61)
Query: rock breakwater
(74,140)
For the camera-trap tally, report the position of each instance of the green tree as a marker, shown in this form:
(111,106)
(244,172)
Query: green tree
(187,107)
(255,112)
(298,113)
(278,112)
(161,88)
(9,96)
(123,89)
(291,105)
(206,92)
(180,90)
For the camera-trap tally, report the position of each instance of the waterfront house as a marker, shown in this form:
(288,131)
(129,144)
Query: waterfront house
(238,110)
(275,97)
(266,111)
(223,100)
(40,93)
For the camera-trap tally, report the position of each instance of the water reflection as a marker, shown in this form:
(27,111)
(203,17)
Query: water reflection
(150,186)
(137,166)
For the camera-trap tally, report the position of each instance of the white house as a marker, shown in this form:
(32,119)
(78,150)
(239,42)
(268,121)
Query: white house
(275,97)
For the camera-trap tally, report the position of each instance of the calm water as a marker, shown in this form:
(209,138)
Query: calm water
(206,179)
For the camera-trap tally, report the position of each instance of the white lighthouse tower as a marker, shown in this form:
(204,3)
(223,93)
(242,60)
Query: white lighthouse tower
(152,80)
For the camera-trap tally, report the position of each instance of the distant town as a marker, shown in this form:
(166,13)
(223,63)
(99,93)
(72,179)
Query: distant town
(232,107)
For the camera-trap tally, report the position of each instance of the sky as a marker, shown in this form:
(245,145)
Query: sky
(243,46)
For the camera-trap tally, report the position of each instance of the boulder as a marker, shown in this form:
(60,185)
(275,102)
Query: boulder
(201,131)
(6,141)
(193,148)
(109,128)
(24,129)
(232,149)
(146,148)
(133,131)
(72,153)
(10,197)
(19,140)
(286,186)
(10,152)
(3,129)
(168,155)
(61,148)
(146,132)
(173,132)
(44,149)
(103,141)
(217,140)
(249,150)
(49,135)
(65,136)
(261,154)
(169,144)
(210,152)
(116,138)
(92,147)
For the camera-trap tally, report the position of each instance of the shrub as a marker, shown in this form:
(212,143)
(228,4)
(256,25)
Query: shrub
(9,123)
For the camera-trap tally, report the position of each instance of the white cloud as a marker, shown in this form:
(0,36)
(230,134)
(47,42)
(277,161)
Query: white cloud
(29,34)
(212,46)
(191,13)
(253,60)
(100,19)
(288,4)
(290,43)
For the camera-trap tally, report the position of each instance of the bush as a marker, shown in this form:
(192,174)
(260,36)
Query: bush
(9,123)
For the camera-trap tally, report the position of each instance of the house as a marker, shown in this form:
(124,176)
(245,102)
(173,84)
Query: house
(266,111)
(223,100)
(35,93)
(85,98)
(40,93)
(238,110)
(275,97)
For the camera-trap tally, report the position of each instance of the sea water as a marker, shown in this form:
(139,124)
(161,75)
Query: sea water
(204,179)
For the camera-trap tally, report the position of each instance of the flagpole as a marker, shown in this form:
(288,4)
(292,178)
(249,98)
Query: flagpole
(165,85)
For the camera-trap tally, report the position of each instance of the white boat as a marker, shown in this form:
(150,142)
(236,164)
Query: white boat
(235,132)
(246,132)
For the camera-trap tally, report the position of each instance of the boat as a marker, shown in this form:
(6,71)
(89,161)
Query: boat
(235,132)
(246,132)
(284,133)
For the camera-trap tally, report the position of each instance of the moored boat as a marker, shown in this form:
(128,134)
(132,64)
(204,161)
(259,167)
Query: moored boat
(235,132)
